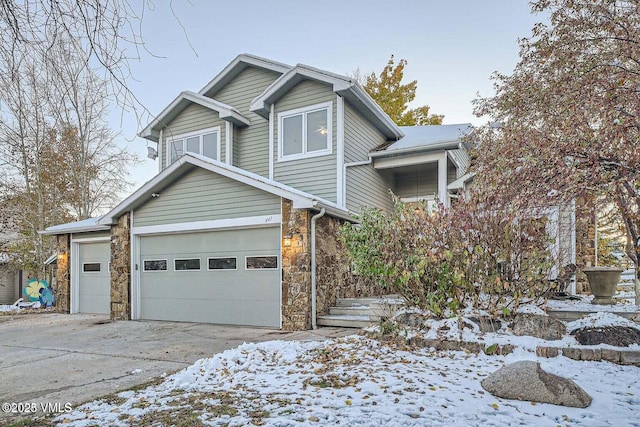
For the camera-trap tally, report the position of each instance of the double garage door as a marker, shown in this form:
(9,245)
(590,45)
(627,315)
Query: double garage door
(226,277)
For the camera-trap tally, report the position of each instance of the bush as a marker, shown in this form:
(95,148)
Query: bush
(442,260)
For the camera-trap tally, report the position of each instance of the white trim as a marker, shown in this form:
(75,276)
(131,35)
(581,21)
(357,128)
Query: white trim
(271,139)
(262,256)
(162,161)
(250,60)
(135,274)
(228,142)
(142,261)
(175,270)
(300,199)
(182,101)
(222,269)
(199,133)
(340,178)
(303,112)
(211,225)
(394,162)
(74,297)
(91,239)
(280,238)
(442,180)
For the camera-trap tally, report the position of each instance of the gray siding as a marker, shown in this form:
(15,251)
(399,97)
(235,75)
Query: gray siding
(201,195)
(452,171)
(365,186)
(417,181)
(193,118)
(316,175)
(251,149)
(9,291)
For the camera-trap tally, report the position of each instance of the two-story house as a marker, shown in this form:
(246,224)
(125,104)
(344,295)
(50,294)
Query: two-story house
(257,171)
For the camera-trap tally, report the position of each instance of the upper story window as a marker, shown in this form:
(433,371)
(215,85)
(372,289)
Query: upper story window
(304,132)
(205,142)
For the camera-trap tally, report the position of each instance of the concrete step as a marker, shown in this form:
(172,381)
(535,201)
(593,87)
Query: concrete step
(344,321)
(358,310)
(353,302)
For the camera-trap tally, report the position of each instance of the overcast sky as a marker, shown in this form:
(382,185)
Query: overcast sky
(452,47)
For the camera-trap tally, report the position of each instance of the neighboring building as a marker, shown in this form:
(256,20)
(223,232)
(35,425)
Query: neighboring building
(249,166)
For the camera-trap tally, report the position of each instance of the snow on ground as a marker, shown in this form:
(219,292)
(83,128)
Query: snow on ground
(357,381)
(7,308)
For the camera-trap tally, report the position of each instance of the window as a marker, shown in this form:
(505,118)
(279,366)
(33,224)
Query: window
(261,262)
(305,132)
(186,264)
(222,263)
(205,142)
(91,267)
(154,265)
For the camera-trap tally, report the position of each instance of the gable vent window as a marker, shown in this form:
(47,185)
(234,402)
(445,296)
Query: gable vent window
(305,132)
(205,142)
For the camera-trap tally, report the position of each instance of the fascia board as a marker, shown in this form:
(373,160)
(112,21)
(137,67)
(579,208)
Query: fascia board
(238,64)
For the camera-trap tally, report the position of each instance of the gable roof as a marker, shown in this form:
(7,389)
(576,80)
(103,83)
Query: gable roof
(341,85)
(182,101)
(235,67)
(188,161)
(425,138)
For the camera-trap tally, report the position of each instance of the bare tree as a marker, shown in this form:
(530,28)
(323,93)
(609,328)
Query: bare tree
(109,32)
(96,165)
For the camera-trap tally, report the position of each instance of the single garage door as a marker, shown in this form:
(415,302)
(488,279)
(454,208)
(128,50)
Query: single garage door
(226,277)
(93,282)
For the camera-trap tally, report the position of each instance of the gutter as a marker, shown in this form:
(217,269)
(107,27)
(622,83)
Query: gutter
(433,147)
(313,267)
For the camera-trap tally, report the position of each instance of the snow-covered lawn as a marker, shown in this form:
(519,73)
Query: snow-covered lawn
(357,381)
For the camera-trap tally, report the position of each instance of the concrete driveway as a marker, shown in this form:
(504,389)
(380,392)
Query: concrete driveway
(57,359)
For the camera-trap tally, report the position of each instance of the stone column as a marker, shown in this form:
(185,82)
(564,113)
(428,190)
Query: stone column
(121,269)
(63,273)
(585,241)
(296,268)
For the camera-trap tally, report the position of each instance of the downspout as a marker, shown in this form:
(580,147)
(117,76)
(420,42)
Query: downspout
(313,267)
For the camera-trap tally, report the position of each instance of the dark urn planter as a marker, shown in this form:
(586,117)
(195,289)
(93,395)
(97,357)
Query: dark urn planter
(603,282)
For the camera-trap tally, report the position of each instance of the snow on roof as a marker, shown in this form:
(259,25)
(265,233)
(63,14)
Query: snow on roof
(421,137)
(89,224)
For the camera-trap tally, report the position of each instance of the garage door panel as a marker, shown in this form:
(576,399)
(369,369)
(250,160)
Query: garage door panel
(94,295)
(240,296)
(229,312)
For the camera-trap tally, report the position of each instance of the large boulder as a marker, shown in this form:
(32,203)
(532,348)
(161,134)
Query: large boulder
(535,325)
(618,336)
(525,380)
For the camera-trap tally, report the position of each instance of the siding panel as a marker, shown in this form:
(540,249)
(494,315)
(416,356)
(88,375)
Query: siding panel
(316,175)
(365,186)
(193,118)
(201,195)
(251,149)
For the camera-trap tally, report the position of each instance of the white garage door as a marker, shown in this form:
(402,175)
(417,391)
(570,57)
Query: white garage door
(93,279)
(226,277)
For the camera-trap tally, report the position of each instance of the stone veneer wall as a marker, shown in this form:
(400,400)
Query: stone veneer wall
(296,268)
(63,273)
(585,245)
(334,278)
(121,269)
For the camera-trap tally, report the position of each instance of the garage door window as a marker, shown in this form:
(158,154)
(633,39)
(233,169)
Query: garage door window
(186,264)
(222,263)
(91,267)
(155,265)
(262,262)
